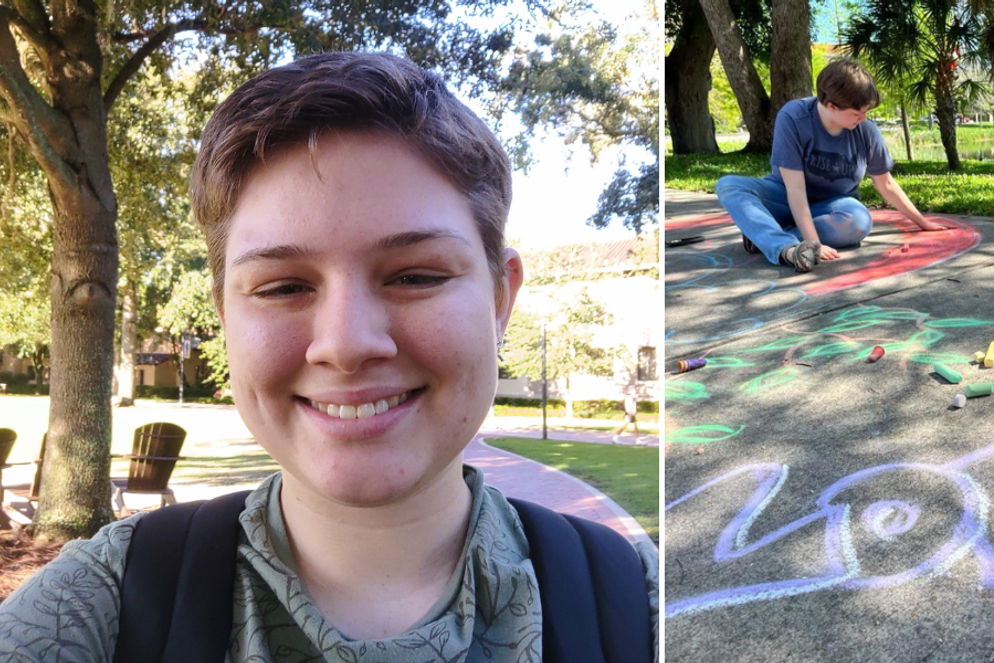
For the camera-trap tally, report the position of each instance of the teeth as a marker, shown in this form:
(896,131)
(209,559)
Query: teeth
(360,411)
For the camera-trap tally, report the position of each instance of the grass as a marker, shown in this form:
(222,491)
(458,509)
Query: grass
(929,184)
(628,475)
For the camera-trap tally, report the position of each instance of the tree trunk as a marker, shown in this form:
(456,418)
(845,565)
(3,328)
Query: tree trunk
(945,113)
(906,127)
(742,77)
(790,60)
(568,395)
(38,361)
(688,82)
(129,343)
(75,493)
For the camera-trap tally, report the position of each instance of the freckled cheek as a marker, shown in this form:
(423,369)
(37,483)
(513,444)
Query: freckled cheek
(263,349)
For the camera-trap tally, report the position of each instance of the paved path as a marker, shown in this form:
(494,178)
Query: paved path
(819,507)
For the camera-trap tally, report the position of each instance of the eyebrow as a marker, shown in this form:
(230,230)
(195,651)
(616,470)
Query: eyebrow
(412,237)
(391,242)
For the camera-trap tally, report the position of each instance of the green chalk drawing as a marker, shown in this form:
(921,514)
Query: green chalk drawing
(855,312)
(939,358)
(832,349)
(926,337)
(705,434)
(782,344)
(844,327)
(771,380)
(956,322)
(684,391)
(889,348)
(728,362)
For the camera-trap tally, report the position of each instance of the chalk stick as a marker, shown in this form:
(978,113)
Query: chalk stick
(979,389)
(989,357)
(905,249)
(949,374)
(959,400)
(682,366)
(978,356)
(875,354)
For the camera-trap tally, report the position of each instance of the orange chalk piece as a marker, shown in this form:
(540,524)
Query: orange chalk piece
(875,354)
(989,357)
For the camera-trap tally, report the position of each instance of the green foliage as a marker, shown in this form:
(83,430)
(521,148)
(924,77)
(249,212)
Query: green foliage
(191,309)
(570,349)
(600,87)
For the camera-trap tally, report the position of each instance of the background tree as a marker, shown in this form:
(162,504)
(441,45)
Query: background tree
(920,46)
(190,309)
(63,65)
(600,87)
(688,80)
(571,348)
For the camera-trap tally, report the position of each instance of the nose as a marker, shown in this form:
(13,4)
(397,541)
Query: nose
(350,328)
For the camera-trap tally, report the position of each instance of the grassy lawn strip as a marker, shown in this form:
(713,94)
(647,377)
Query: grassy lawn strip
(929,184)
(628,475)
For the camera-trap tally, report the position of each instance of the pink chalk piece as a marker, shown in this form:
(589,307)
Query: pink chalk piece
(875,354)
(905,248)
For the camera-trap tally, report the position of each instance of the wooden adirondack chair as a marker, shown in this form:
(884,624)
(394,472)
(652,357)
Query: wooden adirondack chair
(153,457)
(7,439)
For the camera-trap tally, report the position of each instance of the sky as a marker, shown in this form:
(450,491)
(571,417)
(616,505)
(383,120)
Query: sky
(554,199)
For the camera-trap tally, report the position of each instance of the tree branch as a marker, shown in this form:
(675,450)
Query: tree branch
(31,114)
(41,40)
(192,25)
(33,15)
(134,63)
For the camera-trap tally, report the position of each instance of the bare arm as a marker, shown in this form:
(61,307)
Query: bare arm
(797,199)
(894,195)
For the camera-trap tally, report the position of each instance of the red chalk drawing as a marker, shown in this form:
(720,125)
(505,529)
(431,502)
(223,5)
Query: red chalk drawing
(931,248)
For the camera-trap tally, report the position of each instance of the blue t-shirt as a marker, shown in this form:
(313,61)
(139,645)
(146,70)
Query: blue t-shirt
(832,165)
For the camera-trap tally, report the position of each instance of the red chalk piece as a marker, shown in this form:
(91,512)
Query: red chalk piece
(876,354)
(905,248)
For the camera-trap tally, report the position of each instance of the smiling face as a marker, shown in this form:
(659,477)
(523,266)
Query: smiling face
(361,318)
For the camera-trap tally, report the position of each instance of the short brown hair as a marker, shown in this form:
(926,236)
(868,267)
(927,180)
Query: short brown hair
(847,85)
(295,103)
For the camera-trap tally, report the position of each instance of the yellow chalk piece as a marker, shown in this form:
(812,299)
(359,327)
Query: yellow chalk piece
(978,356)
(989,358)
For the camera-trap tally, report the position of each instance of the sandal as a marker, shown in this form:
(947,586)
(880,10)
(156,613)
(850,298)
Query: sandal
(748,245)
(806,256)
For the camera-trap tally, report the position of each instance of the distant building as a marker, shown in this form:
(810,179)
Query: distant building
(623,276)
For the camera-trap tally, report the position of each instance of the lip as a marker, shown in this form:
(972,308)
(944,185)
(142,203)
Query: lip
(355,430)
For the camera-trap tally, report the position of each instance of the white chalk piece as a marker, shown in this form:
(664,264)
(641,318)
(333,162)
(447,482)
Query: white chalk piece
(959,400)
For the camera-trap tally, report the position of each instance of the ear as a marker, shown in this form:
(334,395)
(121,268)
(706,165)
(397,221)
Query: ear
(514,276)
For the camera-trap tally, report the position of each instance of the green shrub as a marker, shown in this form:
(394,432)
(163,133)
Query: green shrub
(597,409)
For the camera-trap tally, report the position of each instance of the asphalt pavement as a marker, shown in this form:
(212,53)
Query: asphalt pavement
(819,507)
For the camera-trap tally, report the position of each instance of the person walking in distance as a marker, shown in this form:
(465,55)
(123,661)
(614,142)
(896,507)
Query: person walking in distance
(631,408)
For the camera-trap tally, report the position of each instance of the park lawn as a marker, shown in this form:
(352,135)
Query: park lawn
(628,475)
(929,184)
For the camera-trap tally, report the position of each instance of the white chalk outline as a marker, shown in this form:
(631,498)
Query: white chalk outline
(636,531)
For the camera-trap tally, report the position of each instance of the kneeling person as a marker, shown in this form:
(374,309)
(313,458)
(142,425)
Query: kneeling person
(808,206)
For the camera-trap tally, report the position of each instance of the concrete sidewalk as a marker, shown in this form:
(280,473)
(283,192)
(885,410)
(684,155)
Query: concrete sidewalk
(819,507)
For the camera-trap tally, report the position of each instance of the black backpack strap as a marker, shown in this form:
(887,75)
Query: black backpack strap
(177,591)
(595,604)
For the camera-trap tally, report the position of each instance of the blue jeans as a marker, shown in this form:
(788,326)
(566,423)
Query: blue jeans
(759,208)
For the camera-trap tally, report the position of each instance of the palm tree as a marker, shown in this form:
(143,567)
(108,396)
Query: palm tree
(919,45)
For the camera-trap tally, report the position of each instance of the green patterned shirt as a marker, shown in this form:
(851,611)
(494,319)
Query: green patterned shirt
(489,611)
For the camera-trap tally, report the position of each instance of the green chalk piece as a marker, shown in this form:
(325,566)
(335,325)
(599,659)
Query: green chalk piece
(949,374)
(979,389)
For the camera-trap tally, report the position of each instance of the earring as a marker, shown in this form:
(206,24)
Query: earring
(500,344)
